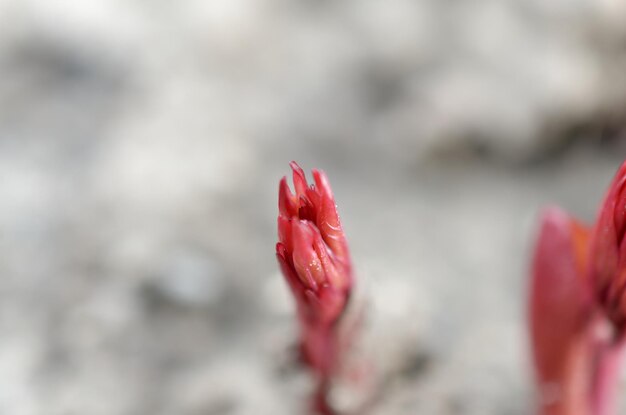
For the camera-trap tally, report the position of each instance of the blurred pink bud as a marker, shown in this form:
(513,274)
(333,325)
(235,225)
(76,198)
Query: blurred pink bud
(313,255)
(560,316)
(608,252)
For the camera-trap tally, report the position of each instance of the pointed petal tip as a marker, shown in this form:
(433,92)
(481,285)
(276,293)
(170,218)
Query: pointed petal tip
(554,215)
(283,183)
(556,220)
(296,169)
(286,199)
(299,179)
(294,165)
(321,182)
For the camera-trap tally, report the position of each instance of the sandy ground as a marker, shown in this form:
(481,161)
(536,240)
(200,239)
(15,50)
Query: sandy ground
(141,144)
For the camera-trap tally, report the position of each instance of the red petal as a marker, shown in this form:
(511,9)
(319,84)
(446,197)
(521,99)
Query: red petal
(297,288)
(617,192)
(285,233)
(619,213)
(559,304)
(299,179)
(286,199)
(337,275)
(305,259)
(327,217)
(607,234)
(307,210)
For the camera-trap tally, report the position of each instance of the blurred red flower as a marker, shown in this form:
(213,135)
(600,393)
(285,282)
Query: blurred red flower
(578,307)
(560,315)
(608,252)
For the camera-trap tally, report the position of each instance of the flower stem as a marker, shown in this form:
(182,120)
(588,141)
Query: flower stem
(321,406)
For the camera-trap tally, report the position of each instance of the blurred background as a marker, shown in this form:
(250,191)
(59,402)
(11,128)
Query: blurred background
(141,144)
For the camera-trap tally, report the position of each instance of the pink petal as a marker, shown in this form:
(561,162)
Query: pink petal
(559,305)
(286,200)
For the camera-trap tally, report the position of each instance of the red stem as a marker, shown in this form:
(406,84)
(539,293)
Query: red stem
(320,353)
(321,406)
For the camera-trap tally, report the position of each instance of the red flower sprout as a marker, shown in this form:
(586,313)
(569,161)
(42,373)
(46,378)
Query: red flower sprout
(560,311)
(608,252)
(313,255)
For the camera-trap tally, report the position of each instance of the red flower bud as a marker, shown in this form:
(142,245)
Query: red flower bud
(313,255)
(608,252)
(560,315)
(312,248)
